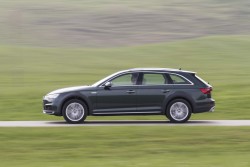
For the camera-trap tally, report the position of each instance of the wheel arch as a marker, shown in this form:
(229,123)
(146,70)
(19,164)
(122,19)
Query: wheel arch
(72,97)
(186,98)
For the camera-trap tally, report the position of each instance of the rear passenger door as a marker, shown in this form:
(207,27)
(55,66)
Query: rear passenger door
(152,91)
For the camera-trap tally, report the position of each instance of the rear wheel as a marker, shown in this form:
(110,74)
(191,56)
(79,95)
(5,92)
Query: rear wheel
(178,111)
(74,111)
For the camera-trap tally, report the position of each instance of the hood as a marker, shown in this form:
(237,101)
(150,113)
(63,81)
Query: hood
(69,89)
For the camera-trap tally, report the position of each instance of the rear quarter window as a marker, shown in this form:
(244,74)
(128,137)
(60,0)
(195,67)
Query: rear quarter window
(178,79)
(202,81)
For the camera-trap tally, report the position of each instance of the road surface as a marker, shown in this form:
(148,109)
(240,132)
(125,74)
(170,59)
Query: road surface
(124,123)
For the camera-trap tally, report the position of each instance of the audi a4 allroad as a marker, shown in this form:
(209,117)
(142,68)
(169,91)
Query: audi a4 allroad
(141,91)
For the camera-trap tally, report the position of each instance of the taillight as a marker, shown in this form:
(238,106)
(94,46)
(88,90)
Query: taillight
(206,90)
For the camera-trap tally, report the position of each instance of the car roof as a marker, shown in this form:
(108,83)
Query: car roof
(160,70)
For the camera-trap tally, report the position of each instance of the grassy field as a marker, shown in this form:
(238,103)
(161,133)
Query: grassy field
(46,45)
(223,61)
(109,23)
(125,146)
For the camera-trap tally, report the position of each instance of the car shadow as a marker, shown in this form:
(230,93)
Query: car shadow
(134,122)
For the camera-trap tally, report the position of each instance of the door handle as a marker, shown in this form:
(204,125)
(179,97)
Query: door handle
(130,91)
(165,91)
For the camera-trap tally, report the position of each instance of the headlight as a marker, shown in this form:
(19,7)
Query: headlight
(51,97)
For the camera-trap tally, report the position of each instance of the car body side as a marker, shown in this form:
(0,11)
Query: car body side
(145,96)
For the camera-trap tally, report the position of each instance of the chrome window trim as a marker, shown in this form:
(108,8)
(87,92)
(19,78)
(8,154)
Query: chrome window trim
(152,72)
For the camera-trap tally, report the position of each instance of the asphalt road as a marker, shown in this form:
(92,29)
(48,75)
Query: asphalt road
(124,123)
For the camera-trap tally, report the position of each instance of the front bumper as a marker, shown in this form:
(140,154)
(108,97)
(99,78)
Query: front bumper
(50,108)
(49,112)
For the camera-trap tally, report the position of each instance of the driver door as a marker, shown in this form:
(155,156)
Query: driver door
(118,98)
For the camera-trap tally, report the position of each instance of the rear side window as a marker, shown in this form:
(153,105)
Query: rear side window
(153,79)
(178,79)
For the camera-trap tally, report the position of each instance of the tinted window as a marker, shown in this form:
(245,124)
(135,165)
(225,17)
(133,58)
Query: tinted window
(178,79)
(204,82)
(153,79)
(127,79)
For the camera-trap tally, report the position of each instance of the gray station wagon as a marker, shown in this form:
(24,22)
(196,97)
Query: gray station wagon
(141,91)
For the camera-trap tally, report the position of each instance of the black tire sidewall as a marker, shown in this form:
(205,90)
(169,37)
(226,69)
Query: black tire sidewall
(168,115)
(74,101)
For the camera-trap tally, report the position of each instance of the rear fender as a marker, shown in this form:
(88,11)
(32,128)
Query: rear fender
(177,95)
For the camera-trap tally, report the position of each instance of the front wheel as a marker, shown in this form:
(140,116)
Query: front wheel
(74,111)
(178,111)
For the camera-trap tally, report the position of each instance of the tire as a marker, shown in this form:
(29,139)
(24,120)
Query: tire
(178,111)
(74,111)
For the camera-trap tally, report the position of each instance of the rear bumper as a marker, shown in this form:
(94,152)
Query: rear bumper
(205,106)
(212,109)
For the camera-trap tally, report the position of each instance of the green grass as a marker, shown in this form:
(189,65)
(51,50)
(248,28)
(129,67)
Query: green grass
(29,72)
(125,146)
(26,74)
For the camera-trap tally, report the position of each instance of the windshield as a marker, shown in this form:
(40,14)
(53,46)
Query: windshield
(104,79)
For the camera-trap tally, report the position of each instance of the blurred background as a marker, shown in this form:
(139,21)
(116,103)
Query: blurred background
(45,45)
(118,23)
(51,44)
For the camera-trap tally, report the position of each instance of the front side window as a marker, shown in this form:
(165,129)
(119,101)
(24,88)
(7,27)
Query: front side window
(125,80)
(178,79)
(153,79)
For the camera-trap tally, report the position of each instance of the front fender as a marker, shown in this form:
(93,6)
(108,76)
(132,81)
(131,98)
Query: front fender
(75,95)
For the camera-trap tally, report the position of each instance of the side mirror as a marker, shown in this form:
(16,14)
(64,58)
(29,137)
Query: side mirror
(108,84)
